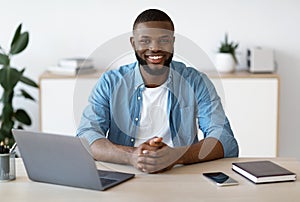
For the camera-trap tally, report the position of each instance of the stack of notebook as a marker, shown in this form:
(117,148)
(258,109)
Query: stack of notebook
(73,66)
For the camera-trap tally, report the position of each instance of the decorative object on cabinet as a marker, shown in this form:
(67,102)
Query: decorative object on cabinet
(260,60)
(226,57)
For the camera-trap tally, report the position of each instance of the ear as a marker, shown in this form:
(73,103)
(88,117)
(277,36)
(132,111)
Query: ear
(173,40)
(132,42)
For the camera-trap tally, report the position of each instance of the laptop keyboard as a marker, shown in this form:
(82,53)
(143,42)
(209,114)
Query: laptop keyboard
(103,173)
(105,181)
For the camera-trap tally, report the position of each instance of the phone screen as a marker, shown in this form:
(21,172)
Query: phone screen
(221,179)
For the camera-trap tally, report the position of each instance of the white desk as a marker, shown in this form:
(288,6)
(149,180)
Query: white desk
(179,184)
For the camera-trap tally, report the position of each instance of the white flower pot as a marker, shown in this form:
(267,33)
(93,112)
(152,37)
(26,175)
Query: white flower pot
(225,62)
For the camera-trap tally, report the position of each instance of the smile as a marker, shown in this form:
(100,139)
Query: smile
(155,59)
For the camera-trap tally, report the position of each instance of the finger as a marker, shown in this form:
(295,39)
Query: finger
(154,139)
(152,154)
(147,147)
(157,168)
(156,142)
(151,139)
(142,168)
(144,160)
(147,168)
(158,139)
(144,152)
(152,165)
(162,151)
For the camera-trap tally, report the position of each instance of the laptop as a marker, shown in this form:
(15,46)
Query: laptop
(63,160)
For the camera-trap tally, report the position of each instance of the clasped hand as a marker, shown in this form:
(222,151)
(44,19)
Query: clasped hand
(154,156)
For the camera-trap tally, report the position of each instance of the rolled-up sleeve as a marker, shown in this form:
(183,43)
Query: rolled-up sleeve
(212,119)
(95,119)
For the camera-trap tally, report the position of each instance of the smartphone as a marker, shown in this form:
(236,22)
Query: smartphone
(221,179)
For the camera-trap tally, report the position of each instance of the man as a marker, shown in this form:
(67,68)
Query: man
(145,114)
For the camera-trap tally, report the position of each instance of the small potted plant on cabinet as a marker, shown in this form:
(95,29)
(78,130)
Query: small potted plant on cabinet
(10,117)
(226,60)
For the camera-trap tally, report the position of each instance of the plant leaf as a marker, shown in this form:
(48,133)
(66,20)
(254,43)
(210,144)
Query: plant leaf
(16,35)
(23,70)
(22,116)
(226,38)
(227,47)
(234,58)
(28,81)
(27,95)
(9,77)
(7,112)
(4,60)
(20,44)
(6,127)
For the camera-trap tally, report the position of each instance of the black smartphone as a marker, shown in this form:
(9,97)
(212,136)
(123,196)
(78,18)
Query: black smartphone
(221,179)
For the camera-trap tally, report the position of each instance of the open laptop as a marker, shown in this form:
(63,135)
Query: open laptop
(63,160)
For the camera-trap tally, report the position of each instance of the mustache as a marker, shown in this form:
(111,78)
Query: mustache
(146,67)
(149,52)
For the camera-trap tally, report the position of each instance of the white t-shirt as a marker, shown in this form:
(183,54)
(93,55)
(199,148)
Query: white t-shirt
(154,119)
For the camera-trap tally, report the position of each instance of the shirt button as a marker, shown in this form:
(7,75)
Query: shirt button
(136,119)
(132,140)
(139,98)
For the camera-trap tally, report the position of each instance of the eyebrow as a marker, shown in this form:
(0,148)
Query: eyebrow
(164,36)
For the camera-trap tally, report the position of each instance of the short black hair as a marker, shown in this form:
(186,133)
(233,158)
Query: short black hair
(152,15)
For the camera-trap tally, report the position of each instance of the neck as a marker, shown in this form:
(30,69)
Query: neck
(152,81)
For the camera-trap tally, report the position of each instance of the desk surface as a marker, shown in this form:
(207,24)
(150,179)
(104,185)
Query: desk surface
(179,184)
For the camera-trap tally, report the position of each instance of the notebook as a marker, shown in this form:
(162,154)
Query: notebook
(263,171)
(63,160)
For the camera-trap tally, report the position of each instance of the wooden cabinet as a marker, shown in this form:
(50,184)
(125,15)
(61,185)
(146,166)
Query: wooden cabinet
(250,102)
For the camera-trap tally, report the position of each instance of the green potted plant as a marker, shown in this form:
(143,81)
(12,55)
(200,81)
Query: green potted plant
(12,117)
(226,60)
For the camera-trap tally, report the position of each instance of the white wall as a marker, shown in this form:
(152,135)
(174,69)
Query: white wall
(76,28)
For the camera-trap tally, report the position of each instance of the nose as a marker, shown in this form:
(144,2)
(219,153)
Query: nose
(154,46)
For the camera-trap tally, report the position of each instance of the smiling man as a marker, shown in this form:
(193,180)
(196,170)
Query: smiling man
(146,114)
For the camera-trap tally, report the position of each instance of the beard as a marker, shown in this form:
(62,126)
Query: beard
(154,72)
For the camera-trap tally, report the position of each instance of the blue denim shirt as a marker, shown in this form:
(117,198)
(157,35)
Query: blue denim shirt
(116,101)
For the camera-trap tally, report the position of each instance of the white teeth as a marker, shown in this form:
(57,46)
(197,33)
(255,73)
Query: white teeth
(156,57)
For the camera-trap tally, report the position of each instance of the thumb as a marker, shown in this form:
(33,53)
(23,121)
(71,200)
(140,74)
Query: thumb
(156,142)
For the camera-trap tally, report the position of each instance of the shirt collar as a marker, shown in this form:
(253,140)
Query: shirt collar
(138,79)
(139,82)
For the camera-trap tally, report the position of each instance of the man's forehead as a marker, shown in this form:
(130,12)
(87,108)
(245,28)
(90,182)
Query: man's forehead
(154,28)
(152,32)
